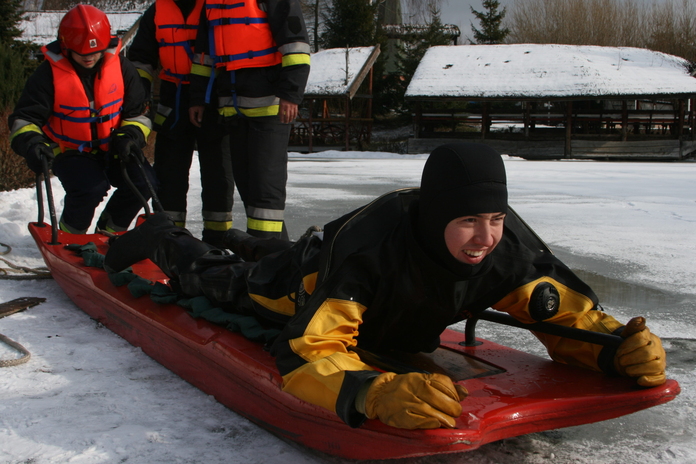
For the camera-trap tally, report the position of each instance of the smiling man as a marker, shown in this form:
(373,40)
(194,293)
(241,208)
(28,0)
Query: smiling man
(392,275)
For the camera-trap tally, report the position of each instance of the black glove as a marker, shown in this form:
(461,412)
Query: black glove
(35,154)
(125,148)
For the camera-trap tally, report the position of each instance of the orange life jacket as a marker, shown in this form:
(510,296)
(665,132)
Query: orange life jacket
(241,35)
(176,37)
(76,123)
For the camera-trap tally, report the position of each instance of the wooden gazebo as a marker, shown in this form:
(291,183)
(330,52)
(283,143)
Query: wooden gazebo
(337,107)
(555,101)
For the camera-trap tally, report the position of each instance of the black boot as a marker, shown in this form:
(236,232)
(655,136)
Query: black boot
(214,237)
(167,245)
(251,248)
(176,253)
(137,244)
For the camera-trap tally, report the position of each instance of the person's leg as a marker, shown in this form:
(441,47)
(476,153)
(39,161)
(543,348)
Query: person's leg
(197,267)
(85,185)
(239,156)
(125,204)
(267,159)
(251,248)
(217,181)
(173,153)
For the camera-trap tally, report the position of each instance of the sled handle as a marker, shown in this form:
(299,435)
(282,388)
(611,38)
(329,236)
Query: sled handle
(588,336)
(49,196)
(153,194)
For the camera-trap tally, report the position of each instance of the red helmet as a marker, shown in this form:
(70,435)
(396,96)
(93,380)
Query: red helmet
(84,30)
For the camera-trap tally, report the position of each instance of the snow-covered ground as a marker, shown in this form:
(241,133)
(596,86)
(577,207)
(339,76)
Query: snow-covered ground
(88,396)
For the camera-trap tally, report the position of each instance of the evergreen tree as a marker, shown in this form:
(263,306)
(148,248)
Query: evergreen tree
(10,16)
(414,43)
(491,21)
(350,23)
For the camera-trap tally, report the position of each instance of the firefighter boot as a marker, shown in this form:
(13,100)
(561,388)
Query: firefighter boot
(172,248)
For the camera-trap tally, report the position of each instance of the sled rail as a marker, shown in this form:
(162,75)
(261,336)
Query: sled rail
(597,338)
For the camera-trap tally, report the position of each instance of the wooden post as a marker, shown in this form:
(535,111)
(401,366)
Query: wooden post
(348,116)
(526,119)
(418,120)
(369,106)
(569,129)
(680,119)
(692,126)
(624,120)
(311,125)
(484,120)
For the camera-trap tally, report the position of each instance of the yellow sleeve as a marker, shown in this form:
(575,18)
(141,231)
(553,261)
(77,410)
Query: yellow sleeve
(575,310)
(324,346)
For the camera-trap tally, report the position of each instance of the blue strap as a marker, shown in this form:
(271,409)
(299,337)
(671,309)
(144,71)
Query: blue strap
(98,110)
(211,46)
(178,26)
(222,6)
(233,79)
(82,144)
(250,55)
(88,119)
(185,44)
(246,21)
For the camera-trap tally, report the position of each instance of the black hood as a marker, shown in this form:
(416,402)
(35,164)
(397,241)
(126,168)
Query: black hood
(459,179)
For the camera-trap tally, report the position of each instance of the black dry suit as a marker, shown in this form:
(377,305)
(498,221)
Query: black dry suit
(372,283)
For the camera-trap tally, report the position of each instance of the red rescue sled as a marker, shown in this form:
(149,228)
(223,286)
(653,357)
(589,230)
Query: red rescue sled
(511,393)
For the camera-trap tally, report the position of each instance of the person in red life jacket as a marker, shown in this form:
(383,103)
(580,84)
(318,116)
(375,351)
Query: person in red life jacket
(251,64)
(165,39)
(391,276)
(82,111)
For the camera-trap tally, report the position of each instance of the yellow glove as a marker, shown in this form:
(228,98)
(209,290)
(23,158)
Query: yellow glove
(641,355)
(414,400)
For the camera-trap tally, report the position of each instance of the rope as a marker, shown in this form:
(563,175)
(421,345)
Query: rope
(20,304)
(14,362)
(15,272)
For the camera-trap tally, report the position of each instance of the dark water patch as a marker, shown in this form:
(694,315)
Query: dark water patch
(681,353)
(606,279)
(616,293)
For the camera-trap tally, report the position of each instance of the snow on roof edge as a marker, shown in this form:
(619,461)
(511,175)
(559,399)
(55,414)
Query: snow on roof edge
(548,71)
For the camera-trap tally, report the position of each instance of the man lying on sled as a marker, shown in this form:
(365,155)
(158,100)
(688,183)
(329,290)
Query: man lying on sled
(393,275)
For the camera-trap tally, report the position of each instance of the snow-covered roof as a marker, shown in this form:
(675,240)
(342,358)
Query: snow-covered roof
(41,27)
(548,71)
(339,71)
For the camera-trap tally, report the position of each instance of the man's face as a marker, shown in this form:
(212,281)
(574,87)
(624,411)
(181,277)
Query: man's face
(86,61)
(471,238)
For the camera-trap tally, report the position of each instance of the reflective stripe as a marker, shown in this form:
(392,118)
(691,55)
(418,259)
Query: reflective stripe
(217,216)
(145,70)
(66,228)
(219,226)
(249,102)
(141,122)
(162,113)
(250,112)
(179,217)
(295,59)
(264,226)
(202,59)
(264,213)
(201,70)
(295,47)
(21,126)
